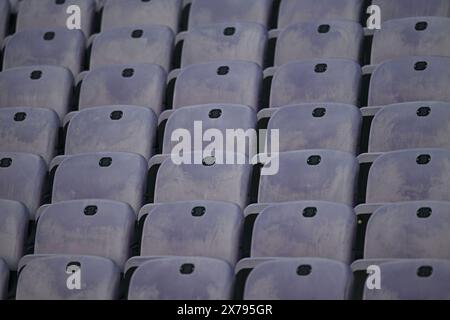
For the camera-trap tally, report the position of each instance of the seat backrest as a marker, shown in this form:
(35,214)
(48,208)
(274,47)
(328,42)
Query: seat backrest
(4,18)
(412,8)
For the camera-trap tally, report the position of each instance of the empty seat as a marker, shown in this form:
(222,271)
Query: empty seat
(206,12)
(112,176)
(37,86)
(4,18)
(419,36)
(225,41)
(146,44)
(410,125)
(410,79)
(223,117)
(412,8)
(58,46)
(336,80)
(141,13)
(195,228)
(419,174)
(422,279)
(4,280)
(112,129)
(182,278)
(48,14)
(316,126)
(212,179)
(235,82)
(299,279)
(47,278)
(139,85)
(86,227)
(311,175)
(29,130)
(294,11)
(409,230)
(14,219)
(22,178)
(305,229)
(312,40)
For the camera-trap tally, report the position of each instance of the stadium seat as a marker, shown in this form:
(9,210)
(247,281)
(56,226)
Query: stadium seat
(37,86)
(207,12)
(331,126)
(182,278)
(221,117)
(47,278)
(422,279)
(86,227)
(111,176)
(311,175)
(299,279)
(112,129)
(418,36)
(58,46)
(146,44)
(235,82)
(22,178)
(295,11)
(4,18)
(29,130)
(48,14)
(141,13)
(410,125)
(140,85)
(316,81)
(305,229)
(412,8)
(14,219)
(213,179)
(4,280)
(410,79)
(313,40)
(225,41)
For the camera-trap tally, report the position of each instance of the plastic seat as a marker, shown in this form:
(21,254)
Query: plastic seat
(14,219)
(325,175)
(305,229)
(48,14)
(140,85)
(412,8)
(410,125)
(182,278)
(47,278)
(111,176)
(86,227)
(413,280)
(294,11)
(207,12)
(194,228)
(410,79)
(299,279)
(316,81)
(316,126)
(112,129)
(4,18)
(37,86)
(22,178)
(163,12)
(144,44)
(4,280)
(326,39)
(57,46)
(418,36)
(225,41)
(234,82)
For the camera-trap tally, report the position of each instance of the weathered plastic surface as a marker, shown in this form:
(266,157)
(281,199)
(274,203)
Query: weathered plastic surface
(412,8)
(29,130)
(4,18)
(56,46)
(4,279)
(134,84)
(37,86)
(112,129)
(46,279)
(182,278)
